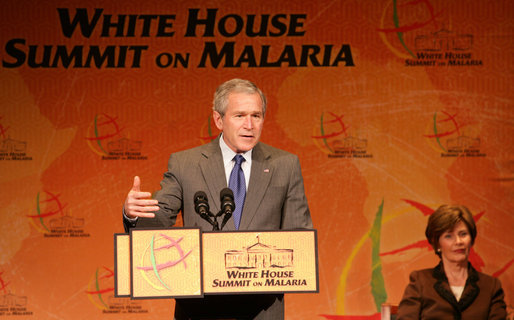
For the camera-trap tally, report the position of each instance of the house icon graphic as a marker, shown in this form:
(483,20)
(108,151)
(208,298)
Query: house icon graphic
(259,255)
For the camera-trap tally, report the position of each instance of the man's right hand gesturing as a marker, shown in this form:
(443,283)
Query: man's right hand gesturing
(139,203)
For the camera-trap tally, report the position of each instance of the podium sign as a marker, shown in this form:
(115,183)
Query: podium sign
(185,263)
(165,263)
(122,265)
(260,262)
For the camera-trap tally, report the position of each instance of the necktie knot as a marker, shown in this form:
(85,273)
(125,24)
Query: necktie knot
(239,159)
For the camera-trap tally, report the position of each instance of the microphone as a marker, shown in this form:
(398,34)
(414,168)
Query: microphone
(227,204)
(201,204)
(227,201)
(202,208)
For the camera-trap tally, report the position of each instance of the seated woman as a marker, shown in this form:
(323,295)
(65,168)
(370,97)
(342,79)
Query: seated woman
(453,289)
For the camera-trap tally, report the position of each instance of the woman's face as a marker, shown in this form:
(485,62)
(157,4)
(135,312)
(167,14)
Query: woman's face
(455,244)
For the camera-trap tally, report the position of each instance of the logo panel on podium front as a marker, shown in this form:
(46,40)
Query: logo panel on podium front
(165,263)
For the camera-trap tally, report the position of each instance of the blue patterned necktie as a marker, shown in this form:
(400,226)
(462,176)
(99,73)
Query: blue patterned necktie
(238,185)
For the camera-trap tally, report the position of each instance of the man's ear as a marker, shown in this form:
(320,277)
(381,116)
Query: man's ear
(218,120)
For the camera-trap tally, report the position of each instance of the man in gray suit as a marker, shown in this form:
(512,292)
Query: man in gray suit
(274,198)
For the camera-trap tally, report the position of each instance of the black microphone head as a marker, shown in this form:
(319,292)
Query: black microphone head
(201,202)
(226,192)
(227,204)
(227,201)
(199,195)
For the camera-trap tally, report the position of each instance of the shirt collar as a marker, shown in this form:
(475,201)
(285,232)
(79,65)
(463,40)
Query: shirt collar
(228,154)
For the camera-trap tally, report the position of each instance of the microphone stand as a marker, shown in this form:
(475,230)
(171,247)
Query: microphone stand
(214,224)
(227,216)
(214,221)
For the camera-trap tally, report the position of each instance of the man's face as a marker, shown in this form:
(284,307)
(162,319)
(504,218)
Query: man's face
(243,120)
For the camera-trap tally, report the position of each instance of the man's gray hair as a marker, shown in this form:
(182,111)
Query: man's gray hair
(220,101)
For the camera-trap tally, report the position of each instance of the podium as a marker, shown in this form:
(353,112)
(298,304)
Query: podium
(155,263)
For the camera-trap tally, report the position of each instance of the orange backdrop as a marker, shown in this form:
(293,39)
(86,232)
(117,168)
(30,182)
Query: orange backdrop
(394,107)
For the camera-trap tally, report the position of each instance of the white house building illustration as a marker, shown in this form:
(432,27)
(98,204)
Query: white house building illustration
(259,255)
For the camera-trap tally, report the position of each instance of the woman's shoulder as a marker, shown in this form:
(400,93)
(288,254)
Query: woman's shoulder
(485,279)
(421,274)
(426,271)
(479,275)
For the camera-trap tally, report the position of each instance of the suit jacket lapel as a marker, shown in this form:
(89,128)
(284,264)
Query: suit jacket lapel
(213,172)
(469,294)
(471,289)
(442,287)
(260,178)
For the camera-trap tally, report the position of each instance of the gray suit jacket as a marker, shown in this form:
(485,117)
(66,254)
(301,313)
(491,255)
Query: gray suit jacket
(275,201)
